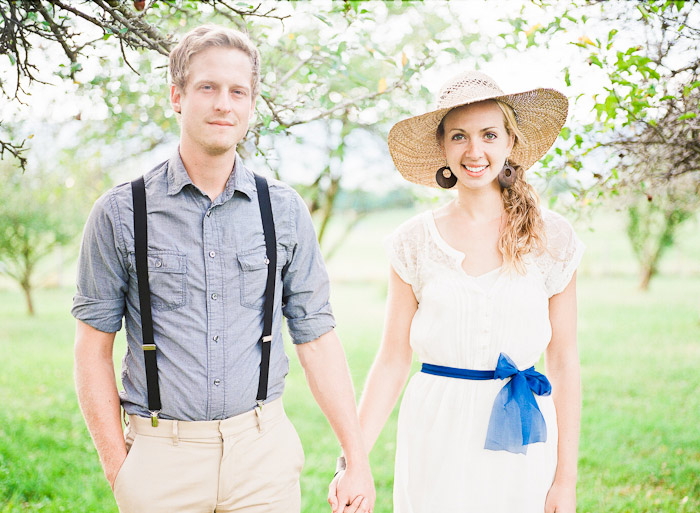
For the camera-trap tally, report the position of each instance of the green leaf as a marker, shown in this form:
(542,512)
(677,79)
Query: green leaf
(565,133)
(12,58)
(687,115)
(567,76)
(323,19)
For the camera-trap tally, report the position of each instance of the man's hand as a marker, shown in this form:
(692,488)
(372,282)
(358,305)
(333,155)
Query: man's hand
(112,469)
(352,491)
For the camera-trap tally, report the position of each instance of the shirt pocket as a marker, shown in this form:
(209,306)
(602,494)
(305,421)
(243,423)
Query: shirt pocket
(167,278)
(253,267)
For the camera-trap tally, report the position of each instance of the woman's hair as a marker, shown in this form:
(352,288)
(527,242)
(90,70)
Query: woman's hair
(524,228)
(208,36)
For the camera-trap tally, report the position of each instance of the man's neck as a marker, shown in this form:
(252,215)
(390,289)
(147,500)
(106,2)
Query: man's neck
(209,173)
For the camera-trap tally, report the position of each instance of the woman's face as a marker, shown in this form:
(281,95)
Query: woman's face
(476,143)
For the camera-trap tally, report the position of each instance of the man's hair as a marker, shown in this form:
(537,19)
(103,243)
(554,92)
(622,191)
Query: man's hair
(208,36)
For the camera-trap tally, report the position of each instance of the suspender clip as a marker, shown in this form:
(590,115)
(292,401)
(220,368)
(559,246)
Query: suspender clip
(267,338)
(154,418)
(149,347)
(259,416)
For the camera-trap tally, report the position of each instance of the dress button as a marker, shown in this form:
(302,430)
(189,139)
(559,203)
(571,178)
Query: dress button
(159,263)
(214,296)
(216,338)
(212,254)
(217,382)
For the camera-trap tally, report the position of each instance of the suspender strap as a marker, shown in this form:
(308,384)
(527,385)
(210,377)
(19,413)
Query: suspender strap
(271,249)
(138,189)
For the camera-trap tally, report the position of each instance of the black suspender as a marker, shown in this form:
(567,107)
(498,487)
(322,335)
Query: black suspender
(271,249)
(141,243)
(138,190)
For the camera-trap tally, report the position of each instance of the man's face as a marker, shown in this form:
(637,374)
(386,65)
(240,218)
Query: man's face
(217,102)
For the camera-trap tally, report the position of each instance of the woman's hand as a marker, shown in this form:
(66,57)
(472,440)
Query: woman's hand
(561,498)
(359,504)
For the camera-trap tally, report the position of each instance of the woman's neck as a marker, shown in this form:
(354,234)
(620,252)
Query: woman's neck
(478,205)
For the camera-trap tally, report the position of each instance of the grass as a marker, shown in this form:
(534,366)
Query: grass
(640,355)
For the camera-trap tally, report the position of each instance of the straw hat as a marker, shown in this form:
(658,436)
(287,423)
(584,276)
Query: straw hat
(540,114)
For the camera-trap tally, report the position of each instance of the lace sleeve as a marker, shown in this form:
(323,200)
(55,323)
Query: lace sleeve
(563,255)
(402,248)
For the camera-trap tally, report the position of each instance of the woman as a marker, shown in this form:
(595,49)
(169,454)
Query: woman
(479,289)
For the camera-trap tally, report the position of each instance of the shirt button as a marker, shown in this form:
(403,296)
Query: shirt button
(216,338)
(217,382)
(212,254)
(214,296)
(159,263)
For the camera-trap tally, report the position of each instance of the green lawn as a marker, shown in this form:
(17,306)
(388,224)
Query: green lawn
(640,355)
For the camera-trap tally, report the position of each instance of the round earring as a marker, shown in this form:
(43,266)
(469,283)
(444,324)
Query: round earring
(445,178)
(507,176)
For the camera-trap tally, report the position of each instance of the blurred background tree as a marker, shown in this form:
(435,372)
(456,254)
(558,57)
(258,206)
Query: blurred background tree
(336,75)
(642,138)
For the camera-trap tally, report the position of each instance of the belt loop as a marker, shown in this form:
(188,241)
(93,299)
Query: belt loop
(176,439)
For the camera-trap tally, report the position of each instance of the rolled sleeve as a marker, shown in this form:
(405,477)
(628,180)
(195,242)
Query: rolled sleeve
(102,278)
(306,286)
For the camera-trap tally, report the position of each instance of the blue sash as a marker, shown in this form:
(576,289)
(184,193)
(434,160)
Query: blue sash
(516,420)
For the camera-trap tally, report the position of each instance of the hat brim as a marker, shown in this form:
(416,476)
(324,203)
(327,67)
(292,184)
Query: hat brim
(541,114)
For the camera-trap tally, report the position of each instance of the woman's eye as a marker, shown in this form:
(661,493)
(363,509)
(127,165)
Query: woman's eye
(457,137)
(490,136)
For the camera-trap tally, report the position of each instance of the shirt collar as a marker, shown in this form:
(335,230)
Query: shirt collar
(241,178)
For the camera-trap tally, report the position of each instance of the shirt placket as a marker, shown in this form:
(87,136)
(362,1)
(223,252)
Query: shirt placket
(216,301)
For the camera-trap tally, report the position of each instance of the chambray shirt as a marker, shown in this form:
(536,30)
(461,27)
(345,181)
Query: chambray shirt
(207,273)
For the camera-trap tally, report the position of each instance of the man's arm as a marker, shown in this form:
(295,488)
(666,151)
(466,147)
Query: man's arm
(329,379)
(98,396)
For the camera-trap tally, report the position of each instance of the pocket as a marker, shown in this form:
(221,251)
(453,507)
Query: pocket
(167,278)
(130,443)
(253,269)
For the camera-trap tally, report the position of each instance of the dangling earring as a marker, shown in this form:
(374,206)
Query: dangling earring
(445,178)
(507,176)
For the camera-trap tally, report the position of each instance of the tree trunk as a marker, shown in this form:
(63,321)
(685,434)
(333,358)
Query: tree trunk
(27,289)
(647,272)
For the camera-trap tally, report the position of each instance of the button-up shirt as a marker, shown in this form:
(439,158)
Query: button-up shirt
(207,273)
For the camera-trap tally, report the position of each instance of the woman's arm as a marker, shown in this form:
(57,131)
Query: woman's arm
(390,369)
(392,364)
(563,371)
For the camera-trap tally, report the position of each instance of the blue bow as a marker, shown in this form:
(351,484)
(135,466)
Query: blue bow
(516,420)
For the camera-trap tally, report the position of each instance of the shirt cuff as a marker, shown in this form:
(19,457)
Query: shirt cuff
(311,327)
(102,314)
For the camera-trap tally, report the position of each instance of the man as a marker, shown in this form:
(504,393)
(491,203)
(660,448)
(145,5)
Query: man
(211,444)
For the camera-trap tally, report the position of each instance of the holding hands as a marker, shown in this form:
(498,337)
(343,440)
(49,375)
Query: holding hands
(352,489)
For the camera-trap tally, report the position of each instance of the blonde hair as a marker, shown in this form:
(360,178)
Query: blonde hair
(208,36)
(524,228)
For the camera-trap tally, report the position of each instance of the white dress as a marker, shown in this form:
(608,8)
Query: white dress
(466,322)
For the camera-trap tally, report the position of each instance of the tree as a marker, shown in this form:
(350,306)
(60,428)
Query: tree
(39,211)
(324,65)
(644,128)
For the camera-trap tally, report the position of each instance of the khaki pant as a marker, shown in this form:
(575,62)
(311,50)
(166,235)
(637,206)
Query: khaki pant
(249,463)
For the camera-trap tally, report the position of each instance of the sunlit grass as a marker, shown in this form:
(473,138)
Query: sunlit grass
(640,354)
